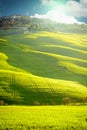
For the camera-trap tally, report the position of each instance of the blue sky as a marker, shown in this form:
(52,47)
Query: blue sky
(31,7)
(65,11)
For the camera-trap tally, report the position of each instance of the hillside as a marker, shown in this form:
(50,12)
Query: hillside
(38,24)
(43,67)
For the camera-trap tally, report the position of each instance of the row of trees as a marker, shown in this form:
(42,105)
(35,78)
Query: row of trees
(68,100)
(58,27)
(35,24)
(13,21)
(65,101)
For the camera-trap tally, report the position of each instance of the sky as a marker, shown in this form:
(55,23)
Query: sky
(65,11)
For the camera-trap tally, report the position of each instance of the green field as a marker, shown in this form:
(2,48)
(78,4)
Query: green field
(43,67)
(43,118)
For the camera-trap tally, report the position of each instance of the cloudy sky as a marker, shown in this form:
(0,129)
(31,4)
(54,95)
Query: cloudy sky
(65,11)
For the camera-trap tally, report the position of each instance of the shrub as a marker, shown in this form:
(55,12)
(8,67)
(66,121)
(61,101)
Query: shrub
(2,102)
(53,103)
(74,102)
(66,100)
(37,103)
(84,99)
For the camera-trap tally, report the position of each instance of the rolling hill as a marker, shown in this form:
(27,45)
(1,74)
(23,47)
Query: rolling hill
(43,67)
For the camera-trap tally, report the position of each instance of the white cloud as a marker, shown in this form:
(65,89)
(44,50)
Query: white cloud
(39,16)
(76,9)
(58,17)
(65,13)
(72,7)
(49,2)
(83,1)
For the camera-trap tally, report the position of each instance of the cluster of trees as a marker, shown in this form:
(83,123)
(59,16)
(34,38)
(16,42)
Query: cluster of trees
(35,24)
(48,25)
(8,22)
(5,23)
(68,100)
(65,101)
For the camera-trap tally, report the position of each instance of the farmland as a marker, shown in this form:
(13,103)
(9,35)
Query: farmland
(37,72)
(43,67)
(43,117)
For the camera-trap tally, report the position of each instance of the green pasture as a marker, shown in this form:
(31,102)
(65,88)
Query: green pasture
(43,67)
(43,118)
(23,88)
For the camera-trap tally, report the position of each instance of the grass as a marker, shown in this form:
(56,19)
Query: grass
(22,88)
(43,118)
(42,64)
(74,68)
(42,69)
(76,39)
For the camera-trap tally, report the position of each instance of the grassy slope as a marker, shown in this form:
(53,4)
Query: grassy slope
(42,67)
(43,118)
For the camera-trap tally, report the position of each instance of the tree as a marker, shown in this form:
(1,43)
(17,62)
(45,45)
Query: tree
(2,102)
(84,99)
(37,103)
(66,100)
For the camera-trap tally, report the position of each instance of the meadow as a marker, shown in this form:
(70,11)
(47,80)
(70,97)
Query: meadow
(37,71)
(43,67)
(43,118)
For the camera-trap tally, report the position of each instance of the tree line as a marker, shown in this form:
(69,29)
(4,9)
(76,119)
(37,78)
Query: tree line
(35,24)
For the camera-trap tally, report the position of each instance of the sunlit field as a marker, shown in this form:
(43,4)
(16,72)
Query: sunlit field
(43,67)
(39,71)
(43,117)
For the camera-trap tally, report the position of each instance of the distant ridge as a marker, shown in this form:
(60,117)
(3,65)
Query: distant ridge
(38,24)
